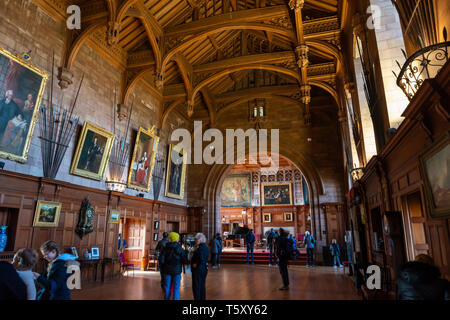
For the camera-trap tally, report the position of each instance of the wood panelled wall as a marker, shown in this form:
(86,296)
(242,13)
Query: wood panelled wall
(393,182)
(21,192)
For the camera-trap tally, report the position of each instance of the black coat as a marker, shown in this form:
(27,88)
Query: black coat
(11,286)
(200,258)
(7,112)
(250,238)
(54,284)
(284,248)
(172,258)
(421,281)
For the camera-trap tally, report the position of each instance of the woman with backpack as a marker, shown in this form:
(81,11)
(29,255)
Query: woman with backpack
(172,258)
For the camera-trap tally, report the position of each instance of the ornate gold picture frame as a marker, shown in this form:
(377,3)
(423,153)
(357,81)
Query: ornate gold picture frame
(267,218)
(143,160)
(288,217)
(114,216)
(276,194)
(176,173)
(21,89)
(92,153)
(47,214)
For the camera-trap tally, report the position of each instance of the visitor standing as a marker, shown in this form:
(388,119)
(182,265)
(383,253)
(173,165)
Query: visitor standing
(250,242)
(284,251)
(271,239)
(159,247)
(309,244)
(172,258)
(335,253)
(199,267)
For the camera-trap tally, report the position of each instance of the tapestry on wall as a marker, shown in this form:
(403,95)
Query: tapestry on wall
(21,91)
(236,191)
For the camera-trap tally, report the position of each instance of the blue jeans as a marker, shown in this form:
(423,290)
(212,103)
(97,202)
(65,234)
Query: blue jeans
(168,278)
(338,261)
(271,254)
(249,250)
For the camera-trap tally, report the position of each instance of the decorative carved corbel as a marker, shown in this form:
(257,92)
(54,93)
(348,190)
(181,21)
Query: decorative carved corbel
(190,108)
(113,32)
(159,82)
(122,111)
(302,55)
(296,4)
(65,77)
(306,93)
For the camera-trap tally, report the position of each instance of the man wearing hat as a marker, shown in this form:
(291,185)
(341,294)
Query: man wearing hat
(172,258)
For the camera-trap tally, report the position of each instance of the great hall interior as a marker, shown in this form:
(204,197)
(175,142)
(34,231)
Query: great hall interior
(90,114)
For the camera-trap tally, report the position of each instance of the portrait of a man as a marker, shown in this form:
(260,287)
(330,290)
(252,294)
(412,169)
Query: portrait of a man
(176,171)
(92,153)
(21,88)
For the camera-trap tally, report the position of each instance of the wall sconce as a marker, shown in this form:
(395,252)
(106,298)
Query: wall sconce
(244,211)
(115,186)
(308,218)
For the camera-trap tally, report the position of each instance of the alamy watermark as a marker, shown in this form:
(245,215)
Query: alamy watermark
(213,153)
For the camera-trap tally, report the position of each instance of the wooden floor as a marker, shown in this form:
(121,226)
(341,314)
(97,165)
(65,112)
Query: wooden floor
(232,282)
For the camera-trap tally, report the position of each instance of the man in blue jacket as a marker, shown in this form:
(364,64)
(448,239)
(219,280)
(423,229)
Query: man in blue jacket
(250,242)
(309,244)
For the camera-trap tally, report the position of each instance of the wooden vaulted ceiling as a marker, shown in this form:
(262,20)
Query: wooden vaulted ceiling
(198,56)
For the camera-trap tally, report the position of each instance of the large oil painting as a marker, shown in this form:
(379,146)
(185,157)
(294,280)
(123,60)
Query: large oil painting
(143,160)
(176,173)
(21,90)
(435,169)
(236,191)
(276,194)
(92,153)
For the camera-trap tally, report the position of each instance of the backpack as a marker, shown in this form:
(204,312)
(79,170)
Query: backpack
(169,255)
(283,250)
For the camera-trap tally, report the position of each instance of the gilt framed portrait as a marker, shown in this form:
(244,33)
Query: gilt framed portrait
(47,214)
(435,171)
(267,218)
(276,194)
(114,216)
(143,160)
(21,90)
(288,216)
(176,173)
(92,152)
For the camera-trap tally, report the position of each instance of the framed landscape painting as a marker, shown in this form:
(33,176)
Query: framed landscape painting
(92,153)
(276,194)
(236,191)
(21,90)
(47,214)
(435,171)
(143,160)
(176,173)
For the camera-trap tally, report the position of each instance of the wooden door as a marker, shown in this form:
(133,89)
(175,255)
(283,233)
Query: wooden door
(415,219)
(134,233)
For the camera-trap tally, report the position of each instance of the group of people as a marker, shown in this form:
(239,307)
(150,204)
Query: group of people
(19,282)
(172,257)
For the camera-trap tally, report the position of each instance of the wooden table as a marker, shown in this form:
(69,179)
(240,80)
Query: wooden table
(105,261)
(90,263)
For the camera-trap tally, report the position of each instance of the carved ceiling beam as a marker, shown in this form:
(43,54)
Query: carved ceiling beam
(210,103)
(187,74)
(322,5)
(141,59)
(154,33)
(242,16)
(233,95)
(273,57)
(93,10)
